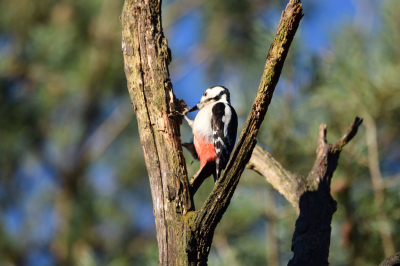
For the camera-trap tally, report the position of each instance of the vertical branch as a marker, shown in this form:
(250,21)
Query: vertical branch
(378,186)
(376,176)
(146,59)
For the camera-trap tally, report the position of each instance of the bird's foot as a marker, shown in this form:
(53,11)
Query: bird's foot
(184,113)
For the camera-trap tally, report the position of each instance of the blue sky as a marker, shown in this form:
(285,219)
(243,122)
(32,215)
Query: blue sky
(321,21)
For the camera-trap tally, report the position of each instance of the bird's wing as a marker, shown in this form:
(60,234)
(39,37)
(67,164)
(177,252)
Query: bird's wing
(224,126)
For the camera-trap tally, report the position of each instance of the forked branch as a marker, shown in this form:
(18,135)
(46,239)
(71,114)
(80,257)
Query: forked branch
(310,196)
(292,185)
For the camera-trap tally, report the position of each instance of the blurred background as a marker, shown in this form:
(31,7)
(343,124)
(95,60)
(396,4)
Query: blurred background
(74,188)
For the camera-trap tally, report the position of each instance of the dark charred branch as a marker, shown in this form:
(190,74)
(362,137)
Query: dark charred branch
(310,196)
(312,236)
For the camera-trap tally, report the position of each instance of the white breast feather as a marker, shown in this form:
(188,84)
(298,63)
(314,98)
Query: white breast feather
(202,123)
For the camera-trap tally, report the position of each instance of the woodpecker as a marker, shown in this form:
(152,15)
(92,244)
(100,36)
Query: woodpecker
(214,132)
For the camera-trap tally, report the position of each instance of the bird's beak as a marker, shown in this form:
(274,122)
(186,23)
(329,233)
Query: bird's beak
(194,108)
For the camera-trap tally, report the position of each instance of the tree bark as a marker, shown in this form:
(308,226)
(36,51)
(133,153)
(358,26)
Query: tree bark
(184,235)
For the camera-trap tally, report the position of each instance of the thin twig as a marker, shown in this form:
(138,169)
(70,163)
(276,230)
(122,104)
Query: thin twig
(351,132)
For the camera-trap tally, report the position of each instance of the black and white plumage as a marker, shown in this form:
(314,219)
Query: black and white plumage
(214,131)
(224,124)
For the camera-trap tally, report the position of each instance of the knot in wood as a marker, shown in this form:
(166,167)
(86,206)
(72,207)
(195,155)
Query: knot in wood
(256,111)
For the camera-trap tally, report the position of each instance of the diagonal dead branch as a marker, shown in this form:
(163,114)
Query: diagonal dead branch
(199,177)
(211,213)
(288,184)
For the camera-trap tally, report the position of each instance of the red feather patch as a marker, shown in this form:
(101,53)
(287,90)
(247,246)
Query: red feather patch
(205,150)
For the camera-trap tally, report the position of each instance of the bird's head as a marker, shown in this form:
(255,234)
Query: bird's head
(211,96)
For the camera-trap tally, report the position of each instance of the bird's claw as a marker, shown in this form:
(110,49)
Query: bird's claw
(184,113)
(178,113)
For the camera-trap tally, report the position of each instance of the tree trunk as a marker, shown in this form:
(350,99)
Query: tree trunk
(146,56)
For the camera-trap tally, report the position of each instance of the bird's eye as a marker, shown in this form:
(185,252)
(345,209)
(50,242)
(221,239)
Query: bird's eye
(205,94)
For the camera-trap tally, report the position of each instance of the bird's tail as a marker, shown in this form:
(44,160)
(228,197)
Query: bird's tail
(218,171)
